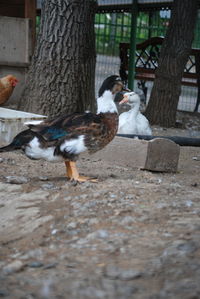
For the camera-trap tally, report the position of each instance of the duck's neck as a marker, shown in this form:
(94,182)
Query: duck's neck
(105,103)
(134,109)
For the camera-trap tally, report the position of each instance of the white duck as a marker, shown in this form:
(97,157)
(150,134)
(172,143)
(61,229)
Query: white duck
(132,121)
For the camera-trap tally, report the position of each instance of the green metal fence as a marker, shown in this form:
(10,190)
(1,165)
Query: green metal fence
(113,28)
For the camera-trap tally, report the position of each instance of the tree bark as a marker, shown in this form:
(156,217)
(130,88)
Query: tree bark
(162,106)
(62,72)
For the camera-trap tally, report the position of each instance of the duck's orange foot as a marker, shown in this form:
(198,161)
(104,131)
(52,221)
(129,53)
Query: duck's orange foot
(82,179)
(73,174)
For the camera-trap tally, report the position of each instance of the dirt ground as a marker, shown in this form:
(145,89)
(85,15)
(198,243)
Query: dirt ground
(134,234)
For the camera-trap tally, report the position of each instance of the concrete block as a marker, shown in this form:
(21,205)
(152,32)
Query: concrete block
(16,42)
(12,122)
(162,155)
(156,155)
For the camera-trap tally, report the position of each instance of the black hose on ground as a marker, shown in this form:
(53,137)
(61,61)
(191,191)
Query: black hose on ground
(182,141)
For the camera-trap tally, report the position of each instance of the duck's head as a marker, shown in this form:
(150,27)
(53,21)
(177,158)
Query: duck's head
(130,98)
(113,84)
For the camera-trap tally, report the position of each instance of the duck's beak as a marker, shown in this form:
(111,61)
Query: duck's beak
(124,100)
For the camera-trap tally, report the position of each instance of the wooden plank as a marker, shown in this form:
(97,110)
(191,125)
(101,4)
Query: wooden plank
(30,12)
(12,8)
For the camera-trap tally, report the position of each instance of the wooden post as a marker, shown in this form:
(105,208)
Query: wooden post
(30,12)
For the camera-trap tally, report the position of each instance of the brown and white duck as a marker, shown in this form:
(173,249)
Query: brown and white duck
(65,137)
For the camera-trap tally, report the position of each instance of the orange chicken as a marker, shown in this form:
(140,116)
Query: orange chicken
(7,85)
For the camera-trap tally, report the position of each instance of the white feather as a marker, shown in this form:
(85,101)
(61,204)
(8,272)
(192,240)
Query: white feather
(74,146)
(105,103)
(33,122)
(34,151)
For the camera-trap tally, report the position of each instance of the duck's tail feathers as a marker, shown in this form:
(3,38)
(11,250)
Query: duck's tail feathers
(19,140)
(8,148)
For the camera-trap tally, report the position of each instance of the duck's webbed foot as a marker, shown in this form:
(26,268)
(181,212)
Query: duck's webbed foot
(73,174)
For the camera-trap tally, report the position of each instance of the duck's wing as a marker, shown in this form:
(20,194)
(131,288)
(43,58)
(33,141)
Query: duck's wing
(143,125)
(68,125)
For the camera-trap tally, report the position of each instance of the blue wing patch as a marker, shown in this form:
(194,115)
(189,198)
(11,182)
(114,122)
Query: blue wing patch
(55,133)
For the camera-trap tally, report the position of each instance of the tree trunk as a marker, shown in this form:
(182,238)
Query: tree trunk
(162,106)
(62,73)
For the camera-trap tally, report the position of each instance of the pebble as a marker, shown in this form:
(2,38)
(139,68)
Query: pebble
(13,267)
(50,266)
(129,274)
(196,158)
(43,178)
(49,186)
(72,225)
(35,253)
(10,161)
(3,293)
(128,220)
(188,203)
(17,179)
(2,160)
(54,231)
(115,272)
(179,248)
(101,233)
(35,264)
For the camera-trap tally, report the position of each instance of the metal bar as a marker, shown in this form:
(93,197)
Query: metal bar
(131,71)
(182,141)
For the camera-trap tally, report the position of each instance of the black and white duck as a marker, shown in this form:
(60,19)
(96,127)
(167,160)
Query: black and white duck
(65,137)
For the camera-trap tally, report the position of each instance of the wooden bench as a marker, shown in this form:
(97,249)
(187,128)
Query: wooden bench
(147,55)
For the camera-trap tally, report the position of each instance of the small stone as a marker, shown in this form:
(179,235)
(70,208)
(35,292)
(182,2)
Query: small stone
(101,233)
(112,195)
(49,186)
(127,220)
(13,267)
(71,265)
(1,160)
(112,175)
(129,274)
(35,253)
(93,221)
(194,184)
(50,266)
(43,178)
(17,179)
(11,161)
(72,225)
(179,248)
(54,231)
(3,293)
(112,272)
(35,264)
(188,247)
(188,203)
(115,272)
(196,158)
